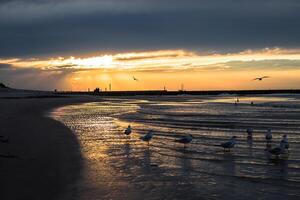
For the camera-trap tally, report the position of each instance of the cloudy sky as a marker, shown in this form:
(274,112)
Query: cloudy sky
(205,44)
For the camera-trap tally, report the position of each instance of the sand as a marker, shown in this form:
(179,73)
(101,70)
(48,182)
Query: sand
(42,159)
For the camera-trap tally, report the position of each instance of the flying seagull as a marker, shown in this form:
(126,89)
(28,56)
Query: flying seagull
(147,137)
(261,78)
(185,139)
(135,79)
(228,145)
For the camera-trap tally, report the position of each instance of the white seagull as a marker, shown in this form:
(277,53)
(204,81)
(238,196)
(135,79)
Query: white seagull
(261,78)
(147,137)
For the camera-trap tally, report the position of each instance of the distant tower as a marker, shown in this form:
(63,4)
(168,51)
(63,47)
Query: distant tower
(109,87)
(182,87)
(165,88)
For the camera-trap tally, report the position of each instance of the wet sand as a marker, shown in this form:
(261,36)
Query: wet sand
(42,159)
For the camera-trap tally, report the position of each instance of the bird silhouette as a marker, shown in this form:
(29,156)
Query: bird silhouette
(261,78)
(128,130)
(269,136)
(185,139)
(276,151)
(147,137)
(228,145)
(135,79)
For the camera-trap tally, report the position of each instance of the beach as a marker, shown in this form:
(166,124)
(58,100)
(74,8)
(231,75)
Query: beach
(42,158)
(74,148)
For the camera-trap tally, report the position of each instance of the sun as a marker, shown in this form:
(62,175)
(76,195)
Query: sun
(103,62)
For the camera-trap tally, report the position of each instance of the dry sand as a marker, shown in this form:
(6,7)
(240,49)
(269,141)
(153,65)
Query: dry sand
(42,159)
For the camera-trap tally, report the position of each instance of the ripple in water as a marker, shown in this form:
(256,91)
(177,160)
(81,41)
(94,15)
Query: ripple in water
(117,166)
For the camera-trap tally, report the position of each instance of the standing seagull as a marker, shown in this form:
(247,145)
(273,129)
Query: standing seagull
(282,148)
(147,137)
(269,136)
(230,144)
(261,78)
(284,143)
(249,132)
(135,79)
(185,139)
(128,130)
(276,151)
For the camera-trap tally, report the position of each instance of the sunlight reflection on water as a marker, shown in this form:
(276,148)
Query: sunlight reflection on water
(118,166)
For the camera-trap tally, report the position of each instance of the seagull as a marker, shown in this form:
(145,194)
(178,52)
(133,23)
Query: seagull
(230,144)
(185,139)
(249,132)
(276,151)
(147,137)
(135,79)
(284,143)
(282,148)
(128,130)
(261,78)
(269,136)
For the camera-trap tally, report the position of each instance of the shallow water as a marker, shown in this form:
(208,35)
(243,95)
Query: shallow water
(118,167)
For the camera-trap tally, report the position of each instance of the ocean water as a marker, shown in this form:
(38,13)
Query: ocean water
(116,166)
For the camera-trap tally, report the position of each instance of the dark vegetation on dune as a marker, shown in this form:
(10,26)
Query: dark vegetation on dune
(2,85)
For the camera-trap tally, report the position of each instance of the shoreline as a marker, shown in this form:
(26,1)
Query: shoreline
(42,159)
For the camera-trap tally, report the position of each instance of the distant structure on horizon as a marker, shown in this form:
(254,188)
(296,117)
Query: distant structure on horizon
(182,87)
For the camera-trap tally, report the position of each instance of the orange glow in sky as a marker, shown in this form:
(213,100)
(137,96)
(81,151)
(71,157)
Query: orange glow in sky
(168,68)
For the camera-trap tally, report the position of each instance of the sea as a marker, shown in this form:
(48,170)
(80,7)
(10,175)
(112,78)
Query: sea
(117,166)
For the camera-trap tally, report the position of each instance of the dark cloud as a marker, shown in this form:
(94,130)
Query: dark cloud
(41,27)
(4,66)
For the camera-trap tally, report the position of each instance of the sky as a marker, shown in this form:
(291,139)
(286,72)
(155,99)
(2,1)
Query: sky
(203,44)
